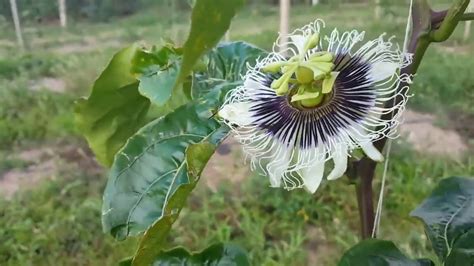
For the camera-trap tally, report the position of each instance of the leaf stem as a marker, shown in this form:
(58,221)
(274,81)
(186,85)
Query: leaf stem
(450,21)
(466,17)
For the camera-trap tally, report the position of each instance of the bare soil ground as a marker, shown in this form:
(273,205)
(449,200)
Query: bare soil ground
(421,132)
(49,83)
(45,163)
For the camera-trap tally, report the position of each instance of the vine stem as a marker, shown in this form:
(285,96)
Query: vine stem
(467,16)
(428,26)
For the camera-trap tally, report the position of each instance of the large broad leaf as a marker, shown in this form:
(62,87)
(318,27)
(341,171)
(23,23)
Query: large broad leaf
(209,21)
(227,64)
(151,244)
(374,252)
(215,255)
(115,110)
(462,253)
(152,169)
(448,214)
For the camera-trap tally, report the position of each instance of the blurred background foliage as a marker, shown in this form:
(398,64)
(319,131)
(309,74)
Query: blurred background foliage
(103,10)
(51,189)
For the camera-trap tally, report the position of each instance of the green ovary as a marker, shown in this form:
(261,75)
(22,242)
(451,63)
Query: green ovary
(312,102)
(304,75)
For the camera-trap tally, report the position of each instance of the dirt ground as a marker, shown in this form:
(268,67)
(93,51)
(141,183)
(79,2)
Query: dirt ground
(45,163)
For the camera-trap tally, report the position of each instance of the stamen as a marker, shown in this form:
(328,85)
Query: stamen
(328,82)
(311,43)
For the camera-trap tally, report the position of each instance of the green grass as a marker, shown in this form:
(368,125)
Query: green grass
(30,116)
(58,222)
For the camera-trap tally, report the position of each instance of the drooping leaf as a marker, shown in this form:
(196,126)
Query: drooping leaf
(462,252)
(152,171)
(115,110)
(210,20)
(448,213)
(216,255)
(375,252)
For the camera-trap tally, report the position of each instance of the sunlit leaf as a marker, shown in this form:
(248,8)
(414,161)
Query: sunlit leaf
(216,255)
(374,252)
(448,213)
(115,110)
(209,21)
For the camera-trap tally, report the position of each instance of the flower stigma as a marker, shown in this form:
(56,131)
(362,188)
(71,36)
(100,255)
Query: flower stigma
(307,79)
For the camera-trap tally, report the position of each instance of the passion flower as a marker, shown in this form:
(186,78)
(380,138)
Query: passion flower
(320,99)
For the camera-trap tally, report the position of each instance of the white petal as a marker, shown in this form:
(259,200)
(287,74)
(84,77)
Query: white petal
(313,175)
(383,70)
(370,150)
(275,178)
(281,157)
(237,113)
(340,163)
(299,41)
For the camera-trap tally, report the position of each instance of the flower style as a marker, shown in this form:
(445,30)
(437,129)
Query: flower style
(319,99)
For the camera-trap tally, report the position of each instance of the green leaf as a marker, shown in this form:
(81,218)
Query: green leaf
(145,62)
(115,110)
(448,213)
(158,86)
(151,244)
(157,71)
(126,262)
(374,252)
(227,63)
(462,253)
(152,176)
(210,20)
(217,255)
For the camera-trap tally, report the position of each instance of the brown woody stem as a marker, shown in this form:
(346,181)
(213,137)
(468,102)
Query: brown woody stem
(428,27)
